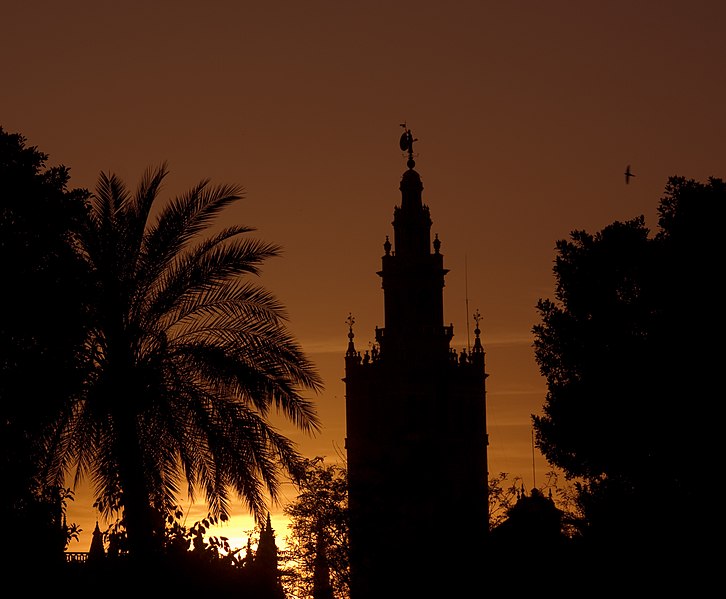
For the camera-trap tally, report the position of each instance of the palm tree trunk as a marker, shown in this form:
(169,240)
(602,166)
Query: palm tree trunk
(143,542)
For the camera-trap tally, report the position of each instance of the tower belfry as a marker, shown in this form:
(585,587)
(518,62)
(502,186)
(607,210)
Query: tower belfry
(415,423)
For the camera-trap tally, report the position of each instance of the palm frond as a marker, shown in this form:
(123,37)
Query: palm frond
(140,207)
(109,199)
(184,218)
(203,268)
(258,380)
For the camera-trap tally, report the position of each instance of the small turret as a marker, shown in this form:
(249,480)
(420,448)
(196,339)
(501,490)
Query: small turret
(96,553)
(265,563)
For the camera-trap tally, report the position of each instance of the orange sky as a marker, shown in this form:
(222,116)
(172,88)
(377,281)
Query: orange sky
(527,114)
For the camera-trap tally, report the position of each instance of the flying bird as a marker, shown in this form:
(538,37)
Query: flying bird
(628,174)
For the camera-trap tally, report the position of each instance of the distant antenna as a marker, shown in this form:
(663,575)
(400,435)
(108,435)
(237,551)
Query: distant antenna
(534,476)
(466,296)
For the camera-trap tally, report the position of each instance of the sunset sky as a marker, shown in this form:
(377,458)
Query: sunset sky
(526,114)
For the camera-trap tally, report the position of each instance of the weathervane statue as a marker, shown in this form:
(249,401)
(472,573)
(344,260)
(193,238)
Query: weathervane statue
(406,144)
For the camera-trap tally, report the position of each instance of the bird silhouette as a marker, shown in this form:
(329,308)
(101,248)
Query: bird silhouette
(628,174)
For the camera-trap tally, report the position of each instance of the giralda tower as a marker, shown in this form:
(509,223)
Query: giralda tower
(416,435)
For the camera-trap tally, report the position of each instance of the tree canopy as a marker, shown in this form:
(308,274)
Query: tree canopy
(41,334)
(626,348)
(318,542)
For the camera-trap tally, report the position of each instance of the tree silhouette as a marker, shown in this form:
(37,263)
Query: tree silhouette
(41,338)
(318,540)
(189,355)
(626,349)
(502,495)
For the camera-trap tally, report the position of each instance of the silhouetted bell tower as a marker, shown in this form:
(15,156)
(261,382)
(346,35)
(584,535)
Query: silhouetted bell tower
(415,426)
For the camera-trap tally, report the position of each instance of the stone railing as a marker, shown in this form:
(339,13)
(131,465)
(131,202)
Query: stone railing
(76,557)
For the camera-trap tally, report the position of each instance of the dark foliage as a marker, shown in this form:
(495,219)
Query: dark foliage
(627,350)
(317,553)
(41,336)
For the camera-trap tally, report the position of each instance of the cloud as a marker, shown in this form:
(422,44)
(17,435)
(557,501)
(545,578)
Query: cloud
(507,339)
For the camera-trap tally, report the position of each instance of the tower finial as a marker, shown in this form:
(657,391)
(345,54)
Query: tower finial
(406,144)
(478,348)
(350,321)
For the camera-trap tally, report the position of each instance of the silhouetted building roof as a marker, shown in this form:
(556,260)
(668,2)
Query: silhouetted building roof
(533,519)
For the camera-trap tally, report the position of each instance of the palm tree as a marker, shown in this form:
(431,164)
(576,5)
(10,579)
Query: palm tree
(188,356)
